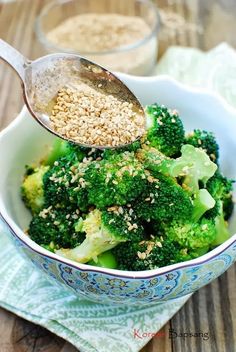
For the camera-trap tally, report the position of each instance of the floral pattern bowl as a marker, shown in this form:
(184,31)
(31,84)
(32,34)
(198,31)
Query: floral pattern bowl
(24,142)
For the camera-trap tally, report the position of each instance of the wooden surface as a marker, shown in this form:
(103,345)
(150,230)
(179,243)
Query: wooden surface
(210,311)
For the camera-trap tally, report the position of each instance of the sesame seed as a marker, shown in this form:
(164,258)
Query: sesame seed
(85,115)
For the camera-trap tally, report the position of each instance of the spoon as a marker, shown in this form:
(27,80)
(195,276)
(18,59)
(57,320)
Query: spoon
(42,78)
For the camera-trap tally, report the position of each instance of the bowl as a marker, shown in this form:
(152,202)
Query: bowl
(24,142)
(138,58)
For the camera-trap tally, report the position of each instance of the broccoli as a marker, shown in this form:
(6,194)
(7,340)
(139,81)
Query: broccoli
(105,260)
(206,141)
(133,147)
(117,180)
(221,189)
(163,199)
(165,130)
(191,235)
(158,201)
(63,183)
(221,225)
(32,188)
(55,227)
(202,203)
(61,148)
(58,149)
(104,230)
(56,182)
(150,254)
(192,166)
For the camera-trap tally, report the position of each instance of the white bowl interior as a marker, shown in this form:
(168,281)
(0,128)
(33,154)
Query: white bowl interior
(25,141)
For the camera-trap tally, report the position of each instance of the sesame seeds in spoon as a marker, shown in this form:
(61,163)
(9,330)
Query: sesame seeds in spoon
(78,100)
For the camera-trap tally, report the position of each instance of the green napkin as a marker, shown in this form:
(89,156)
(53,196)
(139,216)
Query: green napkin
(93,327)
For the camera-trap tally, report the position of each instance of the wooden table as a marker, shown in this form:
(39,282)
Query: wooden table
(213,308)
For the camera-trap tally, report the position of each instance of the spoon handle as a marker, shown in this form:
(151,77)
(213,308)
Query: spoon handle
(15,59)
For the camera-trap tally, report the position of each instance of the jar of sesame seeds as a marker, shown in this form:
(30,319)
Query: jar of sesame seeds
(119,35)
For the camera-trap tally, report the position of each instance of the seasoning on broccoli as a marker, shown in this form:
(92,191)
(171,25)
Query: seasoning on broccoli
(159,201)
(149,254)
(55,227)
(163,199)
(117,180)
(104,230)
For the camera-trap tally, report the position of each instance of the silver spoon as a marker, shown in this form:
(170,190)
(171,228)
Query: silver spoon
(42,78)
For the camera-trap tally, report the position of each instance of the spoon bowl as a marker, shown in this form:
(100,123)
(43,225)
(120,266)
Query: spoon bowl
(41,80)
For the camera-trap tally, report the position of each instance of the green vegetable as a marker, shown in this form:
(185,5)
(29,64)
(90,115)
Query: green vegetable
(165,130)
(206,141)
(117,180)
(191,235)
(104,230)
(163,199)
(32,189)
(192,166)
(221,189)
(149,254)
(202,202)
(158,201)
(59,149)
(105,260)
(56,228)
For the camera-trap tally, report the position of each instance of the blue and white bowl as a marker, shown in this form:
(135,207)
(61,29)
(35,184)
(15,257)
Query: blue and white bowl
(24,142)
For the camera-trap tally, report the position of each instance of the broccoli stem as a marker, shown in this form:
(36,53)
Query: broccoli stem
(222,232)
(105,260)
(202,202)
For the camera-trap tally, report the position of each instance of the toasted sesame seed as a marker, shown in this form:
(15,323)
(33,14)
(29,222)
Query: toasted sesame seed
(141,255)
(85,115)
(158,244)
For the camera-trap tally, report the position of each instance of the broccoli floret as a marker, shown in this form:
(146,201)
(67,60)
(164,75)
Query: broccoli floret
(221,188)
(104,230)
(56,182)
(54,228)
(63,183)
(115,181)
(129,148)
(192,166)
(164,129)
(84,152)
(163,199)
(191,235)
(61,148)
(150,254)
(32,189)
(58,149)
(206,141)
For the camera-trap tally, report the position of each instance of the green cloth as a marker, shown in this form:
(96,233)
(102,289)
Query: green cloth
(92,327)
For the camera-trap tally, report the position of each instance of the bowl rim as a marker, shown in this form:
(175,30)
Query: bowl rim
(148,274)
(124,48)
